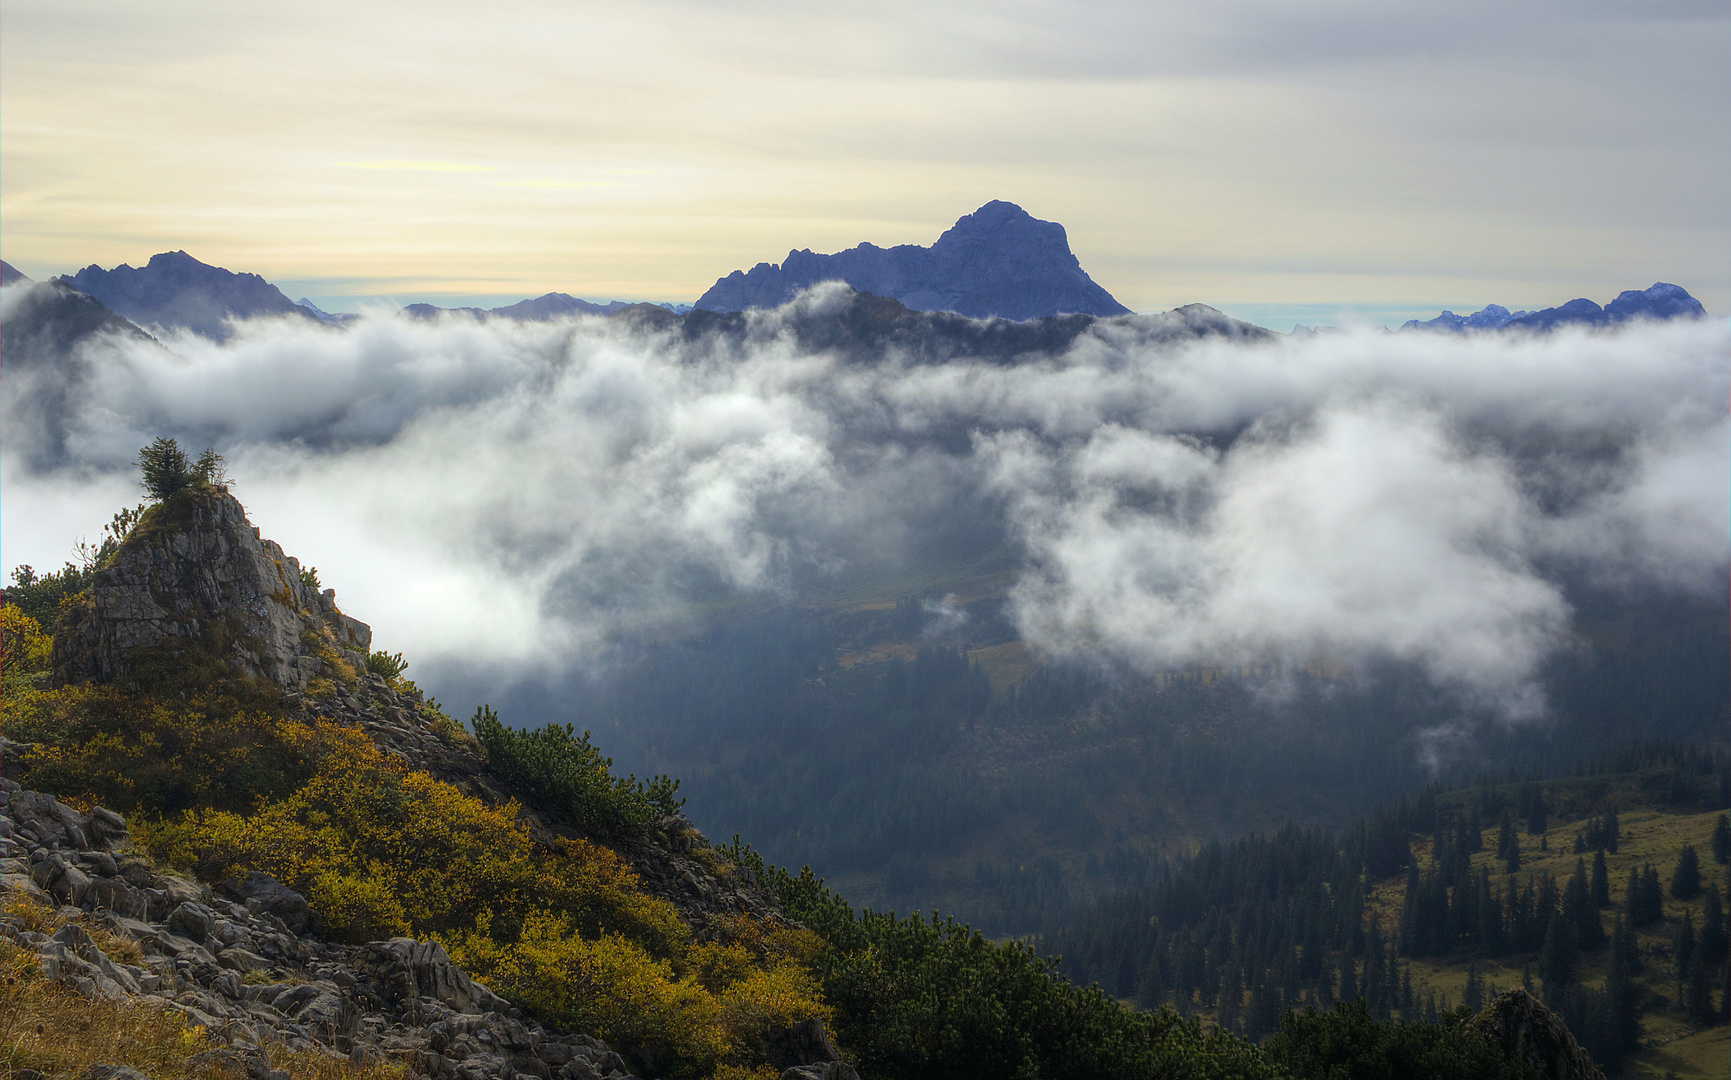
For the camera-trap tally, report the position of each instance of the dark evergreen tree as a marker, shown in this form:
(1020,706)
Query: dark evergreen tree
(1722,839)
(1645,902)
(1624,996)
(1508,844)
(1579,913)
(1349,991)
(1698,999)
(1712,941)
(1474,995)
(1538,815)
(1559,958)
(1686,878)
(165,468)
(1683,952)
(1231,999)
(1601,881)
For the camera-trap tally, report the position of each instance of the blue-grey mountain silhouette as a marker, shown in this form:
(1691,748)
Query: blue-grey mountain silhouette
(553,305)
(1660,301)
(10,273)
(329,318)
(176,291)
(997,261)
(1489,317)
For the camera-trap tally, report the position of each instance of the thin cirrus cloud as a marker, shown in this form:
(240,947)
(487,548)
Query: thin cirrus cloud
(417,166)
(514,496)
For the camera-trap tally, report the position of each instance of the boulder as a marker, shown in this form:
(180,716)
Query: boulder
(261,892)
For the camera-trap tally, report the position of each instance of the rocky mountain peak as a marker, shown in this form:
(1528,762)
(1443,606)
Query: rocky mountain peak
(195,576)
(178,291)
(997,262)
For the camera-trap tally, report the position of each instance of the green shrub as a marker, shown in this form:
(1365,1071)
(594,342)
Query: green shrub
(387,665)
(566,770)
(917,997)
(1347,1044)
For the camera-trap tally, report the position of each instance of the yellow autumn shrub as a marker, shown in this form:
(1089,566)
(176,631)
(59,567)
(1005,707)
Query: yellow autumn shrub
(376,847)
(608,985)
(139,751)
(761,977)
(23,646)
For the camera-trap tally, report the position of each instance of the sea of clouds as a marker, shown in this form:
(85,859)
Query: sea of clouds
(512,495)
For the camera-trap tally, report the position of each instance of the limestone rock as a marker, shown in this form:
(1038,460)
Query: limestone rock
(195,575)
(1520,1022)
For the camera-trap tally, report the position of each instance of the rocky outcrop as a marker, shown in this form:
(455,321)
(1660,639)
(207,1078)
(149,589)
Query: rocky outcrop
(227,961)
(999,261)
(195,576)
(1522,1025)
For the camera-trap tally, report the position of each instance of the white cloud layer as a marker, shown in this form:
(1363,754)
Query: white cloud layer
(511,495)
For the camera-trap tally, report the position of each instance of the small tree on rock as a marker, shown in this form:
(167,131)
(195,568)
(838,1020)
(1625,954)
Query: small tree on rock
(210,468)
(165,468)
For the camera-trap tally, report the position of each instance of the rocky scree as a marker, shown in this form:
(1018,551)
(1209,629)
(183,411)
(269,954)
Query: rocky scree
(231,959)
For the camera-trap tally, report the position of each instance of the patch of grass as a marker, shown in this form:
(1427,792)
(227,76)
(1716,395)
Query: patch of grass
(1701,1054)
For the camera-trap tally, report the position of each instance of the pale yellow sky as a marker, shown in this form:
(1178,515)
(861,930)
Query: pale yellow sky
(1248,154)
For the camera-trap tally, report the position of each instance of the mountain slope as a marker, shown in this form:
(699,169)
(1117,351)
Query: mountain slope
(998,262)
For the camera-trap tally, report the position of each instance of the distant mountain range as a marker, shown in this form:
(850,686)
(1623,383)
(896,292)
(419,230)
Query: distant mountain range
(175,290)
(998,261)
(1659,301)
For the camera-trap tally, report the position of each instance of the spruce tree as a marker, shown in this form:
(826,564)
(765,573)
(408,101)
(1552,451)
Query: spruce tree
(165,468)
(1699,998)
(1712,941)
(1474,996)
(1722,839)
(1686,878)
(1683,952)
(1558,959)
(1508,844)
(1538,817)
(1601,881)
(1624,996)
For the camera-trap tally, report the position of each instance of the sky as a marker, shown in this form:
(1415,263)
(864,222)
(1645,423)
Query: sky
(1286,162)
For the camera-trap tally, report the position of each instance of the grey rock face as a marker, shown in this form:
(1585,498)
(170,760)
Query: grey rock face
(998,261)
(197,574)
(176,290)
